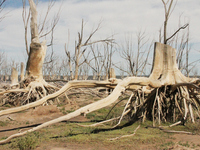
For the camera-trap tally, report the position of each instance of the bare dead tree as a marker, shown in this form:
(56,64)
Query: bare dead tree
(22,71)
(181,41)
(80,47)
(65,71)
(101,60)
(97,61)
(50,64)
(168,9)
(86,70)
(44,29)
(169,6)
(69,58)
(33,87)
(3,65)
(182,49)
(109,51)
(26,18)
(2,58)
(181,45)
(134,54)
(128,54)
(121,72)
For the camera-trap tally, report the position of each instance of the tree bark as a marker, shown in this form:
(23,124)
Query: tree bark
(112,73)
(165,68)
(37,50)
(14,76)
(22,72)
(35,60)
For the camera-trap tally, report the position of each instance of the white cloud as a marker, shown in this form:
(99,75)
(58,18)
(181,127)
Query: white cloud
(119,17)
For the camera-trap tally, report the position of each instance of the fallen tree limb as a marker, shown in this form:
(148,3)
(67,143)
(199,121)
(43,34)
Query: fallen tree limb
(69,85)
(79,84)
(121,87)
(174,131)
(13,90)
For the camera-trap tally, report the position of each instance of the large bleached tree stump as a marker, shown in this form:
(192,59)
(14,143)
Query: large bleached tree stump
(165,68)
(173,98)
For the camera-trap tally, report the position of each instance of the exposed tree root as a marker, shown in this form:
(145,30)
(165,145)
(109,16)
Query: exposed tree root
(105,121)
(137,104)
(29,90)
(166,95)
(84,110)
(167,105)
(124,111)
(79,84)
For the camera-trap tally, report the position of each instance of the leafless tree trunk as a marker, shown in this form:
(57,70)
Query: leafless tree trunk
(97,61)
(69,62)
(33,87)
(2,62)
(109,51)
(169,7)
(25,18)
(134,55)
(112,73)
(22,72)
(80,47)
(167,15)
(43,29)
(180,41)
(101,60)
(14,76)
(37,50)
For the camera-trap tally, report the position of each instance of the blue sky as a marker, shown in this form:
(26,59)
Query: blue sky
(120,17)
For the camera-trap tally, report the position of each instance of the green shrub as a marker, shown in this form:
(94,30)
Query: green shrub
(29,142)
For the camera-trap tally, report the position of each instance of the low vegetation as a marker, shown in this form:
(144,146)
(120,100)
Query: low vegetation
(67,134)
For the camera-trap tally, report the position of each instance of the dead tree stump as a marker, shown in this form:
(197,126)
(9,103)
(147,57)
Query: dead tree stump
(22,72)
(14,76)
(112,73)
